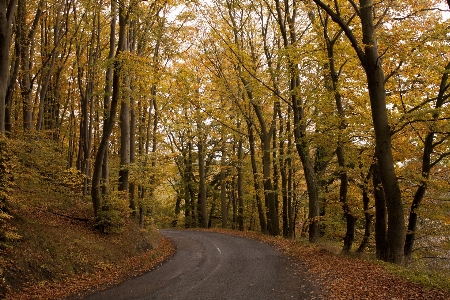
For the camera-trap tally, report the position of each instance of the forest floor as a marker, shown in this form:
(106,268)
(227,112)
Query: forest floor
(60,255)
(58,252)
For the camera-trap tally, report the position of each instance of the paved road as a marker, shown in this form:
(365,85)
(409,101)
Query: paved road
(217,266)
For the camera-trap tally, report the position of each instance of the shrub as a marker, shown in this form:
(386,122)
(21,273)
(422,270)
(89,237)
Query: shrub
(115,209)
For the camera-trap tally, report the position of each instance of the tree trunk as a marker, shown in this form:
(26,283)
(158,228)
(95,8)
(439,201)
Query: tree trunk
(287,25)
(125,142)
(132,186)
(383,146)
(202,184)
(7,9)
(107,97)
(50,67)
(368,216)
(223,190)
(240,183)
(110,122)
(12,82)
(256,180)
(380,214)
(426,167)
(370,60)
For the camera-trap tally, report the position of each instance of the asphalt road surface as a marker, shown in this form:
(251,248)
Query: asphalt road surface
(217,266)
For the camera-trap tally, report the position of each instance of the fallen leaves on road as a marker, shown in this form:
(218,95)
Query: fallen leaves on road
(344,277)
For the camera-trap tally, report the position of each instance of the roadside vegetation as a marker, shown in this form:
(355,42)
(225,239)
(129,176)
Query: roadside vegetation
(53,249)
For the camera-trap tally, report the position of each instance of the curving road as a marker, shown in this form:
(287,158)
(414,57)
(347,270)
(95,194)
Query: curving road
(217,266)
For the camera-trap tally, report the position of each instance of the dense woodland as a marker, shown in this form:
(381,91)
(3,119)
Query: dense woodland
(327,119)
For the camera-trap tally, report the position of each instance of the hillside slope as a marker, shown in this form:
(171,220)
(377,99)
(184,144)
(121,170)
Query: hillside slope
(58,245)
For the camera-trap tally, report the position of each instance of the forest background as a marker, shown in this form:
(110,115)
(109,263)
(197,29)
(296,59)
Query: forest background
(325,119)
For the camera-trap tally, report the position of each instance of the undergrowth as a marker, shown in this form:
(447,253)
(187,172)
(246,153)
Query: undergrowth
(55,239)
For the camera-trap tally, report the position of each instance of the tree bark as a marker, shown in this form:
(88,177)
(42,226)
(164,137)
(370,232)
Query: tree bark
(380,214)
(427,164)
(368,216)
(286,22)
(26,41)
(108,91)
(110,122)
(371,61)
(240,183)
(383,144)
(223,190)
(256,179)
(202,183)
(7,9)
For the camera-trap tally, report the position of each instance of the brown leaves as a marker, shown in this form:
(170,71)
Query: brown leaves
(344,277)
(104,276)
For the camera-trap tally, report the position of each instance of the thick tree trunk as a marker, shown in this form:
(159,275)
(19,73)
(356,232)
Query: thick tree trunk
(383,146)
(371,61)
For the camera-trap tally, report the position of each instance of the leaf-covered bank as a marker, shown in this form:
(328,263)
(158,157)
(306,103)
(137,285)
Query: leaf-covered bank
(350,277)
(57,252)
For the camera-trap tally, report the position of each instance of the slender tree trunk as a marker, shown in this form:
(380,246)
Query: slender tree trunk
(332,85)
(368,216)
(202,183)
(27,36)
(12,81)
(110,122)
(308,166)
(290,189)
(380,214)
(256,180)
(240,183)
(107,97)
(49,68)
(223,190)
(125,140)
(7,9)
(287,23)
(265,135)
(426,166)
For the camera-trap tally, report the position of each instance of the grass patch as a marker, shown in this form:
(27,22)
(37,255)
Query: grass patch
(432,279)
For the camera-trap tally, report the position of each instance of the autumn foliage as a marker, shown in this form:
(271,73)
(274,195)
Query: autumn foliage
(320,119)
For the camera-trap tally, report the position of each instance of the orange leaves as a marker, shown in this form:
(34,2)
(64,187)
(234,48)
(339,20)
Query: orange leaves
(104,276)
(345,277)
